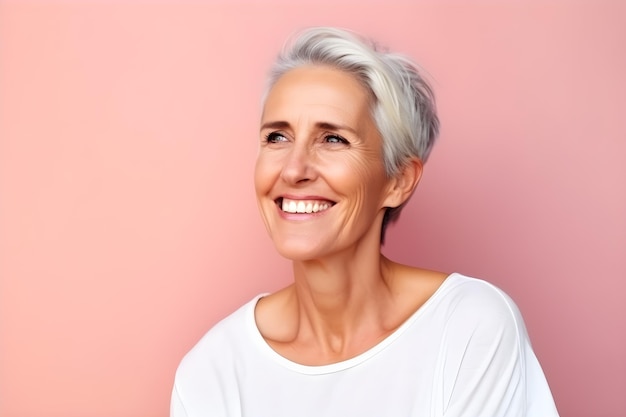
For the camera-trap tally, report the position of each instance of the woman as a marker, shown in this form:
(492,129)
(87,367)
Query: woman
(345,131)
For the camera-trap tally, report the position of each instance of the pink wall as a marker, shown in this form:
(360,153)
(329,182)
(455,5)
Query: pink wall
(128,223)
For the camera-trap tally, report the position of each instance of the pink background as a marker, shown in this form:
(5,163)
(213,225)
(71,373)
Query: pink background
(128,223)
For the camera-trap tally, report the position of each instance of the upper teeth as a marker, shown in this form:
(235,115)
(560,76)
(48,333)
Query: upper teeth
(304,206)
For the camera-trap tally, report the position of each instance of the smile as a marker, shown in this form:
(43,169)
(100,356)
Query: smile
(303,206)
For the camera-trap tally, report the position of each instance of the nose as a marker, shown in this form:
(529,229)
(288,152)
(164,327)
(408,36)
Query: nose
(298,165)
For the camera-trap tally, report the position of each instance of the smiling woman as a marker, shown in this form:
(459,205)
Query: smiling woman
(345,131)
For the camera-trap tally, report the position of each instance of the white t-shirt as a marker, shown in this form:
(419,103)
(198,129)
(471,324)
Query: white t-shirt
(465,352)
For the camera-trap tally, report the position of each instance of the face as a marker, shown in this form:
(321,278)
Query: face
(320,181)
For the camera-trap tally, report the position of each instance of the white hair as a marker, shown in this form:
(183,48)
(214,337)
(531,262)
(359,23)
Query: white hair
(403,104)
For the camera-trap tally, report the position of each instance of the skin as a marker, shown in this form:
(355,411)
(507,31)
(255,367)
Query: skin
(319,143)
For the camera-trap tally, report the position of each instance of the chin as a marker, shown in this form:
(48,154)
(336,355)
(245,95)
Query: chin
(300,251)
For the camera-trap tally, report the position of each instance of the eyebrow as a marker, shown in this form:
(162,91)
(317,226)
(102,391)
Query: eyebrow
(320,125)
(275,125)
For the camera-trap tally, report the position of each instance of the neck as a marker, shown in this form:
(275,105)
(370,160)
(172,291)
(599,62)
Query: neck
(343,301)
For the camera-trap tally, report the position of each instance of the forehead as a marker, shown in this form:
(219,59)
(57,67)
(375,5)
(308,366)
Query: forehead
(317,88)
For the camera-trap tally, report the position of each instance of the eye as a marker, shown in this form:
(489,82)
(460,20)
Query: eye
(275,137)
(336,139)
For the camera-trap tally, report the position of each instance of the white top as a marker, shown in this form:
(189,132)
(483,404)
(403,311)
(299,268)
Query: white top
(465,352)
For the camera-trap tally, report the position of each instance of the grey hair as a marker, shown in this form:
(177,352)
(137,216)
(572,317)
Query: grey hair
(403,103)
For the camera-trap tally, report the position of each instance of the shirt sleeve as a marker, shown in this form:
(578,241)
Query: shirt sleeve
(206,381)
(486,365)
(176,405)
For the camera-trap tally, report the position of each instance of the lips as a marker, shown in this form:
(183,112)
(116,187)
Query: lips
(303,206)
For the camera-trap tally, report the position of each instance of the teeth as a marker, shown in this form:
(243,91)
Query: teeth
(302,206)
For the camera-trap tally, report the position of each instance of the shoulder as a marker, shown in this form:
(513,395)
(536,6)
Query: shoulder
(224,340)
(488,367)
(452,295)
(210,369)
(473,308)
(205,372)
(481,296)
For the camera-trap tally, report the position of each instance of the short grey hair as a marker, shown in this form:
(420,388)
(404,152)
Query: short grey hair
(403,103)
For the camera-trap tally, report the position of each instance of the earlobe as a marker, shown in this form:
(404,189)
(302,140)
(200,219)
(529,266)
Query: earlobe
(404,183)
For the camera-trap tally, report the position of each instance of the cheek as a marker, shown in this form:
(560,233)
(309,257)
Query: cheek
(361,175)
(367,169)
(262,175)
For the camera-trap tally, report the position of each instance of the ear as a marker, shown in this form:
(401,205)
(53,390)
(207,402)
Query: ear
(403,184)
